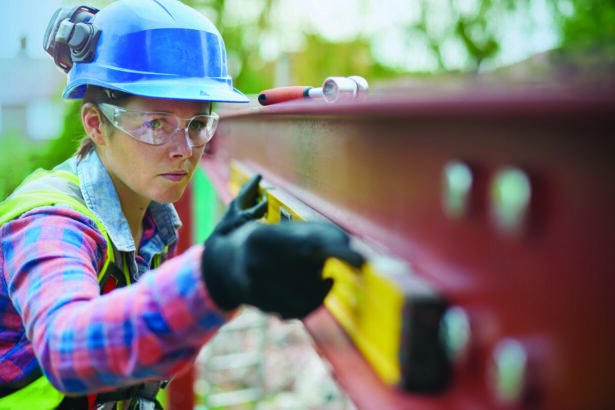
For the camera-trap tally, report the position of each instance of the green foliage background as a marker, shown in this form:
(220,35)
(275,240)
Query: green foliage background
(587,43)
(20,156)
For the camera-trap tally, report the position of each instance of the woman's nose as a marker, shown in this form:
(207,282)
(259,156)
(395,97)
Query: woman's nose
(181,144)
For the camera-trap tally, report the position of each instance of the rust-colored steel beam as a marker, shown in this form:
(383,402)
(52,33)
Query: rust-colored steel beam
(503,204)
(180,391)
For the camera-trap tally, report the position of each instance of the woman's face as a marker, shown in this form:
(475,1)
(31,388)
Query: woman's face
(142,172)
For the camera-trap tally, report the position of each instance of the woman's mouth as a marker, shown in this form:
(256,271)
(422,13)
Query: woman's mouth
(174,176)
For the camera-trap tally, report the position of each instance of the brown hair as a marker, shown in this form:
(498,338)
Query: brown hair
(96,95)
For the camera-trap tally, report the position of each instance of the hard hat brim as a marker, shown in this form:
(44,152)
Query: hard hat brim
(184,89)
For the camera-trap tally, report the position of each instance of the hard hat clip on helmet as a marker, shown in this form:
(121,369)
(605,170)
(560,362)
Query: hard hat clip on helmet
(69,38)
(156,49)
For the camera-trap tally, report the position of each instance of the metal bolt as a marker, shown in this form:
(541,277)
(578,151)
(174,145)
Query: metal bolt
(455,332)
(511,193)
(509,371)
(457,188)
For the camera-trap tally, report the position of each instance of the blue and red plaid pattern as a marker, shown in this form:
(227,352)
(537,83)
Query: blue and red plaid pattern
(51,308)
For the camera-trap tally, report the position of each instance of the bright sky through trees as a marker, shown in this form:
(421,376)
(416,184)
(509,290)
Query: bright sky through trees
(385,23)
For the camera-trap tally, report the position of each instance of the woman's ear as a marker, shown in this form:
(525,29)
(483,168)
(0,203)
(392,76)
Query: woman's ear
(91,117)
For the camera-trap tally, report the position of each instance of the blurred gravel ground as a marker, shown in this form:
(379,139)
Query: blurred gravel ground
(258,362)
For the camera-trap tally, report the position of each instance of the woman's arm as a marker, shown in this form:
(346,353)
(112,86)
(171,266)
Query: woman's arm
(86,342)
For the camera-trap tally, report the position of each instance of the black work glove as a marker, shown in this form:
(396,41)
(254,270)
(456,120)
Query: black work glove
(276,268)
(245,207)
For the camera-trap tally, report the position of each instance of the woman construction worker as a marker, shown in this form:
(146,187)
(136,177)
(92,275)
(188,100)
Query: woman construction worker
(73,334)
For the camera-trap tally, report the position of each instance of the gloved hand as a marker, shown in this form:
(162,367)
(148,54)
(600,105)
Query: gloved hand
(276,268)
(244,207)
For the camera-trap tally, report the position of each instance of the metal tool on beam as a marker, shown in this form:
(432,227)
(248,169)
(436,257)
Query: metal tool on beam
(333,89)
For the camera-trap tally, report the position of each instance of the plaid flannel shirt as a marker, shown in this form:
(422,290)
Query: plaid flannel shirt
(53,317)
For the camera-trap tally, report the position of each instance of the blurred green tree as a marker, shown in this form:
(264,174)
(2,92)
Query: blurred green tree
(21,156)
(318,58)
(585,28)
(588,33)
(587,24)
(476,29)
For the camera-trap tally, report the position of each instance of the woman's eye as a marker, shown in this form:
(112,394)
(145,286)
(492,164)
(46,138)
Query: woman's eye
(197,125)
(155,124)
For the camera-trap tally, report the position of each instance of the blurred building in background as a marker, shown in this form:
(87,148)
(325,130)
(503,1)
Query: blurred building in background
(30,105)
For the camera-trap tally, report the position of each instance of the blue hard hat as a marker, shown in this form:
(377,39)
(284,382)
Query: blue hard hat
(156,48)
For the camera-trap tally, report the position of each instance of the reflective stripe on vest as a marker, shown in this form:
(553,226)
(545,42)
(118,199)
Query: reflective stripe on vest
(43,188)
(39,394)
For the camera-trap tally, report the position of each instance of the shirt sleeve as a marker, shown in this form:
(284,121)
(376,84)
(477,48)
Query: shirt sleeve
(86,342)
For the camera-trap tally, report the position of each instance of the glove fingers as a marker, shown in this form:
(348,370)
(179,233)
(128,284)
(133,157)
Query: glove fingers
(234,218)
(277,268)
(248,194)
(287,272)
(345,253)
(257,211)
(308,242)
(292,304)
(237,219)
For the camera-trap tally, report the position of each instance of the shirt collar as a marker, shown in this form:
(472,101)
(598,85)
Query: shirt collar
(100,197)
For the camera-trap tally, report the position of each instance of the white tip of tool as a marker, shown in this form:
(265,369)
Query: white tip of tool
(338,88)
(361,83)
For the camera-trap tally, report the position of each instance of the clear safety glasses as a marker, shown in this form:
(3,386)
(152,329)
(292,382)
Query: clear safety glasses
(157,128)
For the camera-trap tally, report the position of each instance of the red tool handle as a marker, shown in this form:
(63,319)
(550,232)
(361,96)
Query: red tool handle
(281,94)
